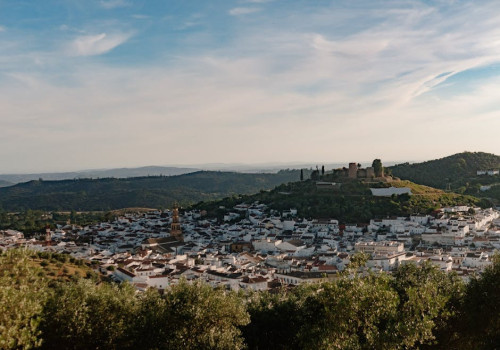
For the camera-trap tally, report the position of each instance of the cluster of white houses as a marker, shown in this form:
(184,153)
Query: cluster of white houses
(260,249)
(490,172)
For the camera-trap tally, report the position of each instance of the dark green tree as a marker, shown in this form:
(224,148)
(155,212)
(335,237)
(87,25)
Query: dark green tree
(479,319)
(201,317)
(23,293)
(315,175)
(83,315)
(428,298)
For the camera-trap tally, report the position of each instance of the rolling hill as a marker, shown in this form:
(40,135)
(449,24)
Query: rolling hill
(351,203)
(455,169)
(12,179)
(457,173)
(152,191)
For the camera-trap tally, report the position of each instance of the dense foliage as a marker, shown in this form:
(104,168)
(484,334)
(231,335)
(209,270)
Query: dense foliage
(352,202)
(417,307)
(151,191)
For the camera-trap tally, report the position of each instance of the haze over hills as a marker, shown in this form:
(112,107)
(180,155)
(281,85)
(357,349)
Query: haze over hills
(10,179)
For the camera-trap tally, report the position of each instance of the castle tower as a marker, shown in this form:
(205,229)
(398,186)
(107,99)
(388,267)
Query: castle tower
(353,170)
(370,172)
(175,227)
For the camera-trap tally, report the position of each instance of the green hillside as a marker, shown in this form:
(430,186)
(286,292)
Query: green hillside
(151,192)
(351,203)
(457,173)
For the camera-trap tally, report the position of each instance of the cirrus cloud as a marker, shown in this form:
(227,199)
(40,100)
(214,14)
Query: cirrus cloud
(239,11)
(91,45)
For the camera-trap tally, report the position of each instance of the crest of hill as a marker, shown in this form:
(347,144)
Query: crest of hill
(150,192)
(454,170)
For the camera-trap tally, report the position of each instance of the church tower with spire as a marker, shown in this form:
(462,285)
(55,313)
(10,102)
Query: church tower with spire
(175,227)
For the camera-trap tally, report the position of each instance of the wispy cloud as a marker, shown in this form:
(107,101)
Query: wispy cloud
(140,16)
(317,74)
(111,4)
(2,28)
(91,45)
(239,11)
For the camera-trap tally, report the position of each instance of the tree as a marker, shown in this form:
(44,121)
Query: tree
(428,297)
(152,322)
(315,175)
(378,168)
(23,293)
(83,315)
(479,317)
(301,174)
(276,319)
(322,170)
(201,317)
(358,260)
(352,313)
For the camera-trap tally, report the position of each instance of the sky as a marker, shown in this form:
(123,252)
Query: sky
(123,83)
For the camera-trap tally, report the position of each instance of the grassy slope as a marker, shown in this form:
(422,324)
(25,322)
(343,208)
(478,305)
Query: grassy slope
(58,267)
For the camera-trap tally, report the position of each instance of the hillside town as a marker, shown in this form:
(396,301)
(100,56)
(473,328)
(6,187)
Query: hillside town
(256,248)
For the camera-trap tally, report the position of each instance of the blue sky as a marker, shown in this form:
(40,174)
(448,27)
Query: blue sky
(112,83)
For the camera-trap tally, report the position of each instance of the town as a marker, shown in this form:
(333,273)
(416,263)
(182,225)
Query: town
(256,248)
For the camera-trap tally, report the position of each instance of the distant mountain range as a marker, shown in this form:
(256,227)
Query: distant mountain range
(10,179)
(152,191)
(122,188)
(122,173)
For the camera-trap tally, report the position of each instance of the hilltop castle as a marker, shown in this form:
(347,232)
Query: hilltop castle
(356,172)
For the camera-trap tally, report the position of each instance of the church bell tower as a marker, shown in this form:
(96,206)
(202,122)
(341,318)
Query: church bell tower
(175,227)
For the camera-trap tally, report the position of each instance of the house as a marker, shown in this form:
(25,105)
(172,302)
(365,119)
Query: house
(254,283)
(300,277)
(291,246)
(379,248)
